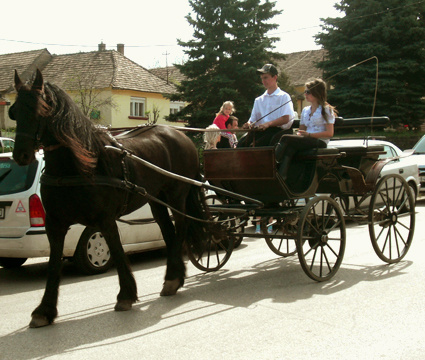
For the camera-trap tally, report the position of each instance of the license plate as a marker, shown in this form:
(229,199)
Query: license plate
(2,212)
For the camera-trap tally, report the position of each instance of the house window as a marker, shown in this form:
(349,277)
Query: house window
(176,106)
(137,107)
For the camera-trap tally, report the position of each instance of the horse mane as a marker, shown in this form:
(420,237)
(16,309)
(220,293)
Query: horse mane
(73,129)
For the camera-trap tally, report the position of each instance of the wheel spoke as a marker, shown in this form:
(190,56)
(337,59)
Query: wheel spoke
(331,249)
(400,235)
(327,260)
(396,241)
(314,257)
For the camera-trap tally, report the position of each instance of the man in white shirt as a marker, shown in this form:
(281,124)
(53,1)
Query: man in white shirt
(273,112)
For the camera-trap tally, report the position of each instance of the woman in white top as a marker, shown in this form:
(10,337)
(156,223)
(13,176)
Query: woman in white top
(318,119)
(316,127)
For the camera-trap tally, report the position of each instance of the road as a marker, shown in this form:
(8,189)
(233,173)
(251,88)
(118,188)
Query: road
(258,306)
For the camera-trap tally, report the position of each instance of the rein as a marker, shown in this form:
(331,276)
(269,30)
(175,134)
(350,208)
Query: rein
(125,184)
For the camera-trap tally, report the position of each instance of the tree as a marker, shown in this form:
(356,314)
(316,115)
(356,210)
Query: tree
(89,98)
(394,32)
(229,44)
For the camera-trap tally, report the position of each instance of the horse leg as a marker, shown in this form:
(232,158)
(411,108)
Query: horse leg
(128,289)
(175,273)
(46,312)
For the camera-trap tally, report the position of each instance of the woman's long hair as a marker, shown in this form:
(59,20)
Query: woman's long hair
(318,89)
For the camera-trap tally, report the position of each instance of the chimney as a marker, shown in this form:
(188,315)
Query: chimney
(120,48)
(102,46)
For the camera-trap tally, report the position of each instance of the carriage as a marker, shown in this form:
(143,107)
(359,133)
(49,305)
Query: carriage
(101,178)
(325,189)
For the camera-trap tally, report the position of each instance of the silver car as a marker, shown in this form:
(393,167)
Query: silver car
(419,156)
(22,232)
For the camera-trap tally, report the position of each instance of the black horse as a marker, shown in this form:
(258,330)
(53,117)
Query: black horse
(85,183)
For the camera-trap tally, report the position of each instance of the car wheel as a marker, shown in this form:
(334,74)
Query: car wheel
(11,263)
(92,255)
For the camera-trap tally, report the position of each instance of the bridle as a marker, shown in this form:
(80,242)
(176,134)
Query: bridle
(41,127)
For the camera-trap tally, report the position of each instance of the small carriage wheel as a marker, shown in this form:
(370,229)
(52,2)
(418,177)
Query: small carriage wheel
(281,240)
(321,238)
(214,252)
(391,218)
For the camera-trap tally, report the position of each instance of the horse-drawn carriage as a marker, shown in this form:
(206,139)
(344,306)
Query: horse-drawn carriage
(310,206)
(101,177)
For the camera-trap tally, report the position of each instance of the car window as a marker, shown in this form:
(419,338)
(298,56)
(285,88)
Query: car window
(389,152)
(7,145)
(15,178)
(420,146)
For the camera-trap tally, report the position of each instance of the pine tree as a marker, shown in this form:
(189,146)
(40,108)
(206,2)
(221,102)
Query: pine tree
(394,32)
(229,44)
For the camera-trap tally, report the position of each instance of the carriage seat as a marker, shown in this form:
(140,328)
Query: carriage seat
(361,150)
(360,157)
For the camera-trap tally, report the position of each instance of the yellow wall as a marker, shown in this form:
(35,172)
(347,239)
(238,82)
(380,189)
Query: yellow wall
(121,114)
(118,116)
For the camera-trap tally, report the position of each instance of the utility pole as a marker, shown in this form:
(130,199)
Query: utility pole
(166,63)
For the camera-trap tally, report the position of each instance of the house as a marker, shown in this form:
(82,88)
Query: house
(300,67)
(126,93)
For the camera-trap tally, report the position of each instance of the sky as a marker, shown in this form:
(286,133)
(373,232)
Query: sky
(148,29)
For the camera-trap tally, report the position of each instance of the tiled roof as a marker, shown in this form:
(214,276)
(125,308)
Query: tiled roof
(101,69)
(26,64)
(130,75)
(107,69)
(300,66)
(173,74)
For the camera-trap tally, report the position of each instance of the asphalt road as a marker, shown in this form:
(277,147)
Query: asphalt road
(259,306)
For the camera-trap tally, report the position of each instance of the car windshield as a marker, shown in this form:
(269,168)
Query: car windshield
(420,146)
(15,178)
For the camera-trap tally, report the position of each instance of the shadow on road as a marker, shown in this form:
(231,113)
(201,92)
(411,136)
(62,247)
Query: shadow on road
(279,280)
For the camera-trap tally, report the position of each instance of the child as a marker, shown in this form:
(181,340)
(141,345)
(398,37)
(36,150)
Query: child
(226,110)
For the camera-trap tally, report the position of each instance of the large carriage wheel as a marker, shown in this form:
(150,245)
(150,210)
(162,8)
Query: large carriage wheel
(282,238)
(321,238)
(215,251)
(392,218)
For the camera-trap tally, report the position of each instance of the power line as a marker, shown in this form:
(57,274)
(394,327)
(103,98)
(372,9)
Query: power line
(171,45)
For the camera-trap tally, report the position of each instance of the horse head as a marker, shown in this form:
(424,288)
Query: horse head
(29,111)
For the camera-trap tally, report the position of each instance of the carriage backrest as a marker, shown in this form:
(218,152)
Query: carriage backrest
(240,164)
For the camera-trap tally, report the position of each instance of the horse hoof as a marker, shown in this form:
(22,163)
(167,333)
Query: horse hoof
(38,321)
(170,287)
(123,305)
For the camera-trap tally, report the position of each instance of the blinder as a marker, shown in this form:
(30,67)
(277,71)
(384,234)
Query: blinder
(40,126)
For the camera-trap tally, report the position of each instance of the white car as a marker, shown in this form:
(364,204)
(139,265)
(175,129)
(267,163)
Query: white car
(419,156)
(6,144)
(22,232)
(404,163)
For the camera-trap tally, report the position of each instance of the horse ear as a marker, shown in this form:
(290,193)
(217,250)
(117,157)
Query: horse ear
(38,82)
(18,81)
